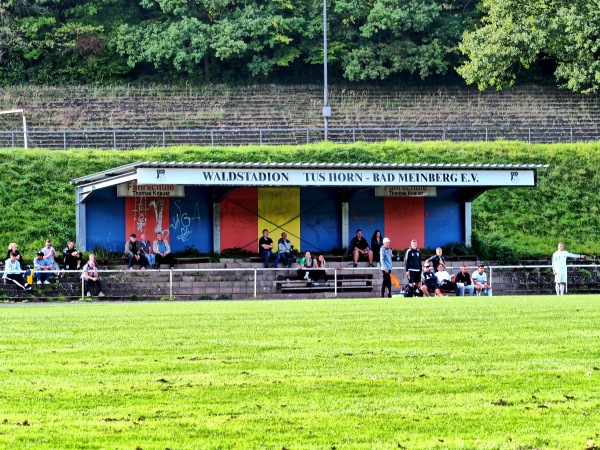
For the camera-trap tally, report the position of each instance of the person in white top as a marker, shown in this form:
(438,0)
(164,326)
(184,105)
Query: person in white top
(480,281)
(559,267)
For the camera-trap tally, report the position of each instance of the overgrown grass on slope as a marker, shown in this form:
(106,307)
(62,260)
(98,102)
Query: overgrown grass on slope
(501,373)
(38,202)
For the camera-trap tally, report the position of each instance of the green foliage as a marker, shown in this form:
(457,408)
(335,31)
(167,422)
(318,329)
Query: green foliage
(517,34)
(508,223)
(106,40)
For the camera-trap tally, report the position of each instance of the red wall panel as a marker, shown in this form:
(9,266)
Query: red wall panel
(239,220)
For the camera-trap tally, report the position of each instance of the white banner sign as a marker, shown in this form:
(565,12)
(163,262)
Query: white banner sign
(133,189)
(335,177)
(405,191)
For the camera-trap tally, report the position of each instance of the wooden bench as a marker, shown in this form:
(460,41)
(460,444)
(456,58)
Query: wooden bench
(345,283)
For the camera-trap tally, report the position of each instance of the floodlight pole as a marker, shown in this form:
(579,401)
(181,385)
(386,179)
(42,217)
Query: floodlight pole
(326,108)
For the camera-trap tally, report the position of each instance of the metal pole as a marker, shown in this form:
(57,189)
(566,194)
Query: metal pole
(255,275)
(335,282)
(170,283)
(25,130)
(326,108)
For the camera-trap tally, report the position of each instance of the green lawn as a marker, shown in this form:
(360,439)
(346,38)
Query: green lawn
(473,373)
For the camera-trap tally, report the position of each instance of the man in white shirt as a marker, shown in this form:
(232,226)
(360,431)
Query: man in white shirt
(446,283)
(559,267)
(480,281)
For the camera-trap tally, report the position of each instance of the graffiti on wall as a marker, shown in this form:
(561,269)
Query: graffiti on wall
(183,219)
(147,215)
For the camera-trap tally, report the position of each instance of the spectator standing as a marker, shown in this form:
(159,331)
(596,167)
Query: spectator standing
(162,252)
(385,256)
(146,248)
(71,257)
(437,259)
(559,267)
(265,247)
(412,263)
(91,278)
(376,245)
(480,281)
(464,278)
(133,254)
(284,248)
(360,249)
(41,269)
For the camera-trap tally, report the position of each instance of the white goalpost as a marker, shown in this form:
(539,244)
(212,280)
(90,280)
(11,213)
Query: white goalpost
(19,111)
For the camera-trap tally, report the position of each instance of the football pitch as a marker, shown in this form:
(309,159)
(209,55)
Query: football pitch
(449,373)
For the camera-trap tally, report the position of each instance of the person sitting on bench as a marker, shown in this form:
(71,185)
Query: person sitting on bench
(445,282)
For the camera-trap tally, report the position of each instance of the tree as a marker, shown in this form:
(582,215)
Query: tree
(187,35)
(389,37)
(517,34)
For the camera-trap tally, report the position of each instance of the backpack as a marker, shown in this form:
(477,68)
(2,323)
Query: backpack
(412,290)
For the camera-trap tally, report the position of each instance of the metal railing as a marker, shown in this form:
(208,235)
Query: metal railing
(130,139)
(252,287)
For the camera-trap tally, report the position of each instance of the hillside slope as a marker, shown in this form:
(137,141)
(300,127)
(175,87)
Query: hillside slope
(39,203)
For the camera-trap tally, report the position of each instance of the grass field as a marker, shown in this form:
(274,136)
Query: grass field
(468,373)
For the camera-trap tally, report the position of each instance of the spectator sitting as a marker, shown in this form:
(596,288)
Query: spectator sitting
(320,264)
(162,252)
(265,247)
(464,278)
(91,278)
(284,248)
(133,254)
(306,264)
(376,244)
(42,269)
(445,283)
(429,282)
(146,248)
(71,257)
(49,253)
(480,281)
(14,248)
(360,249)
(12,272)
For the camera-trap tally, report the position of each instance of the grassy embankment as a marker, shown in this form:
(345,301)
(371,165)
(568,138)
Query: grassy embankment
(38,202)
(508,372)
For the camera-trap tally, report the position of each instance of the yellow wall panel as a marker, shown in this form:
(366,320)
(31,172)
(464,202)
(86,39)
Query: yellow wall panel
(278,211)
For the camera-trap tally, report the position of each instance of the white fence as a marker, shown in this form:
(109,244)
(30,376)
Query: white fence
(228,283)
(128,139)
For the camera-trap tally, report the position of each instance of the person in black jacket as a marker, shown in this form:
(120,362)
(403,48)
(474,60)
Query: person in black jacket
(437,259)
(412,263)
(376,244)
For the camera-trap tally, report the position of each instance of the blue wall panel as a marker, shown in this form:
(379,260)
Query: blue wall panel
(105,217)
(367,213)
(444,222)
(320,220)
(191,221)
